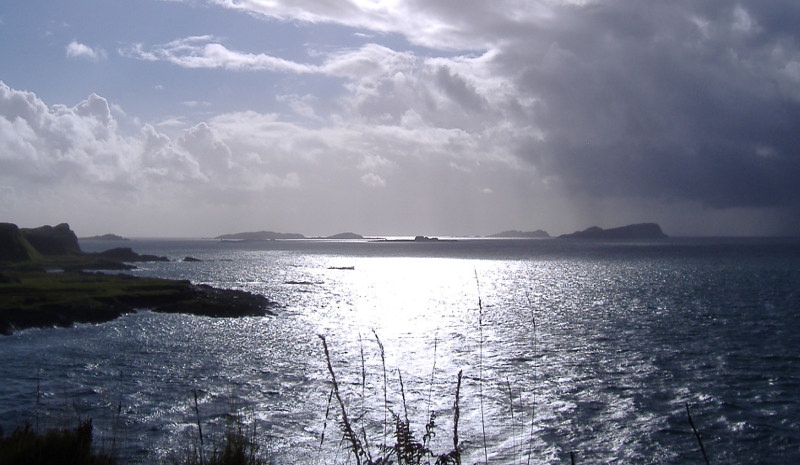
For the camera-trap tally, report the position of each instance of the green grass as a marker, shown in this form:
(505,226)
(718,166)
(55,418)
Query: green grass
(32,290)
(37,299)
(74,262)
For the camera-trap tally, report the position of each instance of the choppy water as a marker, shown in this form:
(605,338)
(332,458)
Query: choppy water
(591,347)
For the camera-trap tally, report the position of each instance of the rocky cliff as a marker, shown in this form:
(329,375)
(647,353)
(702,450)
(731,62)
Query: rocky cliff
(13,245)
(52,240)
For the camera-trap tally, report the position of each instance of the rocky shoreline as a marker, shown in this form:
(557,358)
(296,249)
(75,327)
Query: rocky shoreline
(40,300)
(44,283)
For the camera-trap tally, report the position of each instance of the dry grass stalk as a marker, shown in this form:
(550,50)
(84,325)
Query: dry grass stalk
(697,435)
(385,388)
(347,428)
(480,368)
(533,393)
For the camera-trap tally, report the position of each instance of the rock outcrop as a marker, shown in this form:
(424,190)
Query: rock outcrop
(126,254)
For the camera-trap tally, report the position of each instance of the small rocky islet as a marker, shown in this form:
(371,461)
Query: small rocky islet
(46,281)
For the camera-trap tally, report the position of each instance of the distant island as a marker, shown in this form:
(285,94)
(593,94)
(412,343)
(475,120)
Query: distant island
(105,237)
(274,236)
(259,236)
(632,231)
(44,283)
(344,235)
(538,234)
(415,239)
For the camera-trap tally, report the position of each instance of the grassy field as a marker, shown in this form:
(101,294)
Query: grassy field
(34,290)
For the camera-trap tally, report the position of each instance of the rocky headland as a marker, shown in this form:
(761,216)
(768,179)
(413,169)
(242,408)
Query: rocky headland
(44,282)
(126,254)
(629,232)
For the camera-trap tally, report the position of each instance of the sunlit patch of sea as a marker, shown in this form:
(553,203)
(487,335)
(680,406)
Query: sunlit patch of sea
(565,347)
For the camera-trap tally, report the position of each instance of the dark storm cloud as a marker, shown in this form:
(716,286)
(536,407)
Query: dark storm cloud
(553,114)
(692,101)
(459,90)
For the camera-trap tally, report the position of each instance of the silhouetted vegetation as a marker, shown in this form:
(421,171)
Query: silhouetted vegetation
(65,446)
(408,447)
(239,446)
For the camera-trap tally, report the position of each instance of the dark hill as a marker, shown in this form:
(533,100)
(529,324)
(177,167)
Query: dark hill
(57,247)
(633,231)
(52,240)
(13,245)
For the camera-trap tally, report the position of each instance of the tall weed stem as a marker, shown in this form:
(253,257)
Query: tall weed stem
(480,367)
(385,388)
(533,388)
(349,434)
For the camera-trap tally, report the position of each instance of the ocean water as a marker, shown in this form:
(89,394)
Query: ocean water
(594,348)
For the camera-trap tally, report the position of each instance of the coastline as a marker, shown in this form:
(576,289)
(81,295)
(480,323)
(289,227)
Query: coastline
(45,282)
(36,299)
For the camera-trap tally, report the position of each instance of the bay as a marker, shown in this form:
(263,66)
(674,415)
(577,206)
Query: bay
(588,347)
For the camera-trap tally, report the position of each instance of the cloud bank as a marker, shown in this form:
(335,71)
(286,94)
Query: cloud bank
(533,114)
(60,158)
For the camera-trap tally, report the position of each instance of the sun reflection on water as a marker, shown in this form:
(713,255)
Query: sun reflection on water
(406,295)
(620,345)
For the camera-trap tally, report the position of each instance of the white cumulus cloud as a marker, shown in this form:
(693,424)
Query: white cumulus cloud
(78,50)
(373,180)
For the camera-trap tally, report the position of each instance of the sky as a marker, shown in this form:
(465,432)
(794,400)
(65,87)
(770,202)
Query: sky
(194,118)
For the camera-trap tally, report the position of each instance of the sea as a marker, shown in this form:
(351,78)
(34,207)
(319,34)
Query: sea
(645,352)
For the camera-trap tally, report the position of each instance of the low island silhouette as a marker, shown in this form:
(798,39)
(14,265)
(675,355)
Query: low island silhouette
(629,232)
(638,231)
(274,236)
(105,237)
(514,234)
